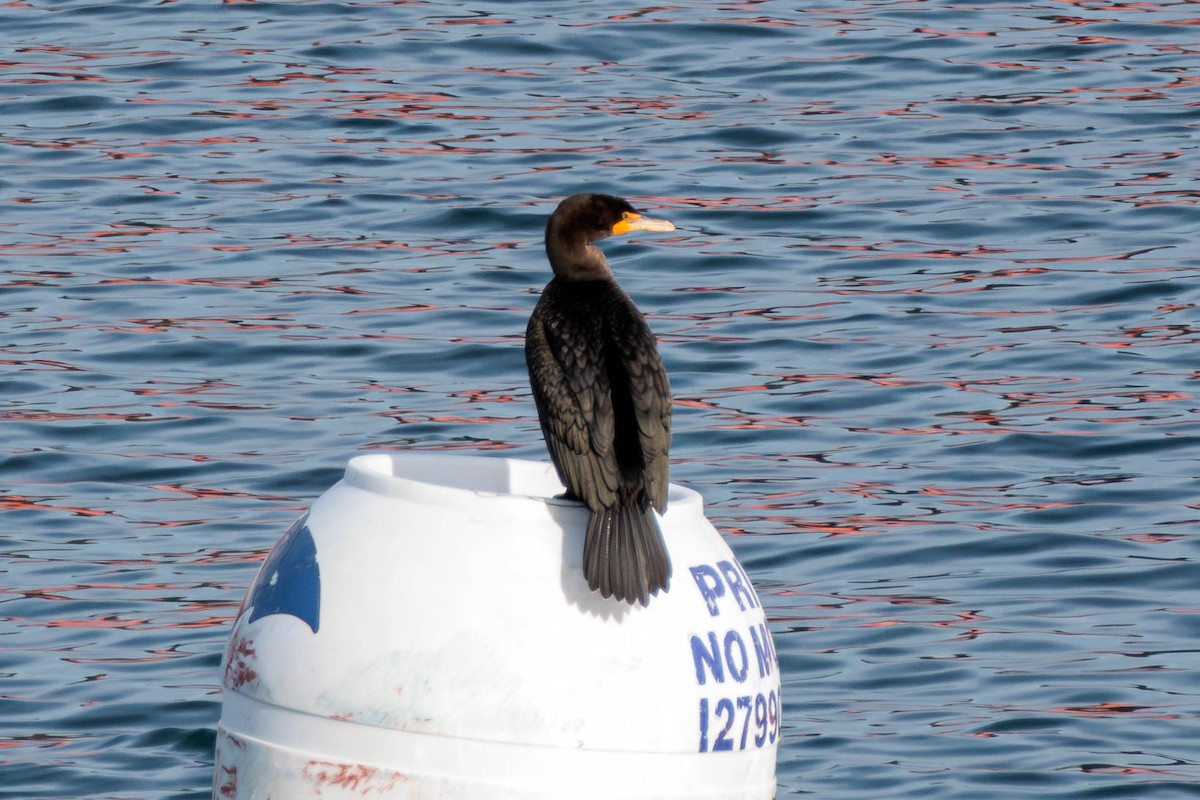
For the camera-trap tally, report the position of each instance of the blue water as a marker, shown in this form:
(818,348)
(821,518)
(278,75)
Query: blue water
(930,314)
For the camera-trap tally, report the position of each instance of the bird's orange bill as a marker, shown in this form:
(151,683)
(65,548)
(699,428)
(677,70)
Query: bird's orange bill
(636,222)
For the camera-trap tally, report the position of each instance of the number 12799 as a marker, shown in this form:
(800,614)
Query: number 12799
(736,723)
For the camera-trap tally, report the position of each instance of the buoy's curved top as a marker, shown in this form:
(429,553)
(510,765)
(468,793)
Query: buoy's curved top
(447,479)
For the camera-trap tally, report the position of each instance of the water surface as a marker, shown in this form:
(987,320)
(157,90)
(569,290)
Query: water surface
(930,315)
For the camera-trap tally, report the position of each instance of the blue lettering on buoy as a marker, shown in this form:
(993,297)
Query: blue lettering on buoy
(733,638)
(710,585)
(764,649)
(739,585)
(714,657)
(289,581)
(739,722)
(733,722)
(714,581)
(709,656)
(760,719)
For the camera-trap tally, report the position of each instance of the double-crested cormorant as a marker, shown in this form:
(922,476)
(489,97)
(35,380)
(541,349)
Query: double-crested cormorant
(603,398)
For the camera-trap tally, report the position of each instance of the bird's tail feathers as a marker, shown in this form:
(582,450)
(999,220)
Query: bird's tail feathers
(624,555)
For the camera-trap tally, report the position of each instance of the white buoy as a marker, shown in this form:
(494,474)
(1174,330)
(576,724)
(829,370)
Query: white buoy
(425,631)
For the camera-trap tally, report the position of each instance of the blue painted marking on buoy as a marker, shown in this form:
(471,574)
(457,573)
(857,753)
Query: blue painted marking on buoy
(290,579)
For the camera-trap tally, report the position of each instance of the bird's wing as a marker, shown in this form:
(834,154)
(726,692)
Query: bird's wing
(650,390)
(571,389)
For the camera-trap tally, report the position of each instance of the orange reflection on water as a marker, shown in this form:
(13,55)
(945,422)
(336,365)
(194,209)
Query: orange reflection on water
(14,502)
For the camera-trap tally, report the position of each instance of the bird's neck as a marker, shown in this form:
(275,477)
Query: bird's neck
(577,260)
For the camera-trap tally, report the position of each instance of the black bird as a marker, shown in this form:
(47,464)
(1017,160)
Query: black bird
(603,398)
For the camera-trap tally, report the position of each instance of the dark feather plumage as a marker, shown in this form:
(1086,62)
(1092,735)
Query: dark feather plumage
(603,399)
